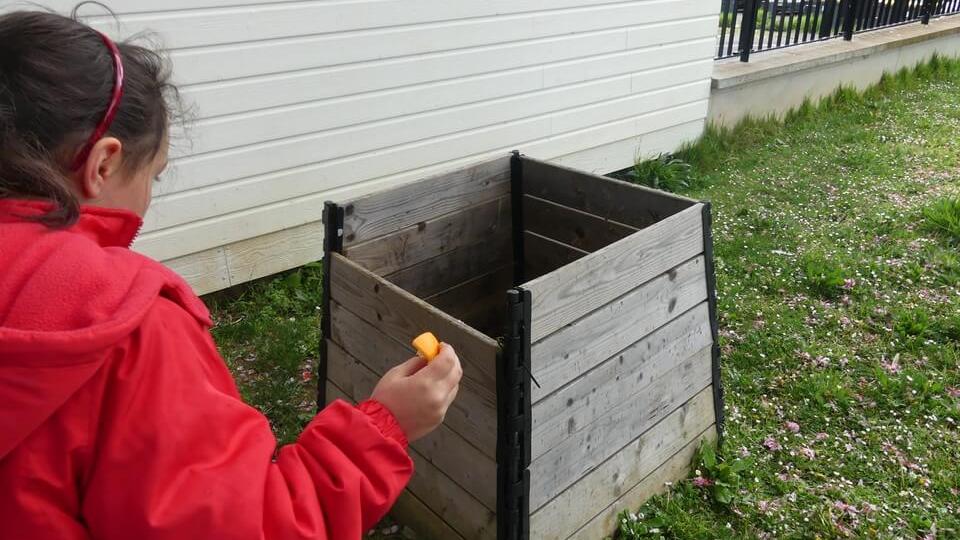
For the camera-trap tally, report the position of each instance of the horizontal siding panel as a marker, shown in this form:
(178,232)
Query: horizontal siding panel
(257,59)
(622,154)
(222,230)
(182,208)
(650,68)
(350,11)
(127,7)
(259,93)
(202,28)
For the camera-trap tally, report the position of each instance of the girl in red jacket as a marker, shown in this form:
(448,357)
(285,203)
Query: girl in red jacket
(118,418)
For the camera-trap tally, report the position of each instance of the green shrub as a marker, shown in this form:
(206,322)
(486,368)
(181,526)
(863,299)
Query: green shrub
(664,172)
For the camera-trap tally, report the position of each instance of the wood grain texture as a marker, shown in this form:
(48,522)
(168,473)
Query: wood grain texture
(403,316)
(413,513)
(445,271)
(473,414)
(623,202)
(572,227)
(394,252)
(408,509)
(591,445)
(578,347)
(675,468)
(457,507)
(563,296)
(620,378)
(543,255)
(394,209)
(444,448)
(567,513)
(479,302)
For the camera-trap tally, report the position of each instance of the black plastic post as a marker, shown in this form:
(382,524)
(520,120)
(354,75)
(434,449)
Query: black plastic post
(714,318)
(514,421)
(332,243)
(516,208)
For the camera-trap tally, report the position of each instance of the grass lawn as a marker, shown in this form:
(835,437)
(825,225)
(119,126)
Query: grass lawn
(837,238)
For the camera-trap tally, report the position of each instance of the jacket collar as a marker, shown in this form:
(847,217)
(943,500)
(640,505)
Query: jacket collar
(108,227)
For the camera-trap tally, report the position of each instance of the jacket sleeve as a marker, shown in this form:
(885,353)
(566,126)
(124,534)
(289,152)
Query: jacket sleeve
(179,455)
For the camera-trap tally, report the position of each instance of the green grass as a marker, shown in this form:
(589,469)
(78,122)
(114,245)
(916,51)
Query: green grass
(838,273)
(839,298)
(268,332)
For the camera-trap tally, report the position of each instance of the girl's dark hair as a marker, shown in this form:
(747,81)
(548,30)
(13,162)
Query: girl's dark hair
(56,78)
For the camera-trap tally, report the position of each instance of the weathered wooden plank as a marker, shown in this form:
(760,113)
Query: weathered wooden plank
(623,202)
(673,469)
(388,211)
(447,270)
(473,414)
(417,243)
(444,448)
(569,353)
(408,509)
(473,300)
(457,507)
(620,378)
(566,513)
(411,511)
(588,446)
(573,227)
(403,316)
(576,289)
(543,255)
(334,393)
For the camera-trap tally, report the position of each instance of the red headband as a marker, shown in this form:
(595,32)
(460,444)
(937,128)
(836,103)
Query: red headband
(111,112)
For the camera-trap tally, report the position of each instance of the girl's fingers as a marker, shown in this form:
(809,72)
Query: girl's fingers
(410,367)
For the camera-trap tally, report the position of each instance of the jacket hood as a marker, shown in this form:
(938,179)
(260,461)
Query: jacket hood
(66,295)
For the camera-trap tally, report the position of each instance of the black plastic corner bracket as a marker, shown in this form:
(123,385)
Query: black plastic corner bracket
(332,243)
(714,321)
(513,421)
(516,208)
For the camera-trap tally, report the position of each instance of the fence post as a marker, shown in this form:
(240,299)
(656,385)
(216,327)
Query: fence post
(850,18)
(748,29)
(826,18)
(929,6)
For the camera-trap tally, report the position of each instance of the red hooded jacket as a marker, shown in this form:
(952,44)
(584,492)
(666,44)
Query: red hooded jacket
(119,419)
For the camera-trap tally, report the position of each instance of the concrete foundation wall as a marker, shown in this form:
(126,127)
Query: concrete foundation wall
(774,83)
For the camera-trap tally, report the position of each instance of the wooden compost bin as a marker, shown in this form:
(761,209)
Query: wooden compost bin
(583,311)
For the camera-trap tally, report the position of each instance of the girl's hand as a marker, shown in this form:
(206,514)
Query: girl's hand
(419,394)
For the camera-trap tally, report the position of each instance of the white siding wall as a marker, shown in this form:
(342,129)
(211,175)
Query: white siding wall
(297,102)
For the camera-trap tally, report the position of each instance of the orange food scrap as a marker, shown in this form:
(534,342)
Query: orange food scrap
(427,346)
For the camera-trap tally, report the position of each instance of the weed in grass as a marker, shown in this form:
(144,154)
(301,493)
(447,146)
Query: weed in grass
(913,324)
(943,217)
(823,276)
(720,478)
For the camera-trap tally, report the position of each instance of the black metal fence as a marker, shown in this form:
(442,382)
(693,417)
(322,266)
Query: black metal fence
(748,26)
